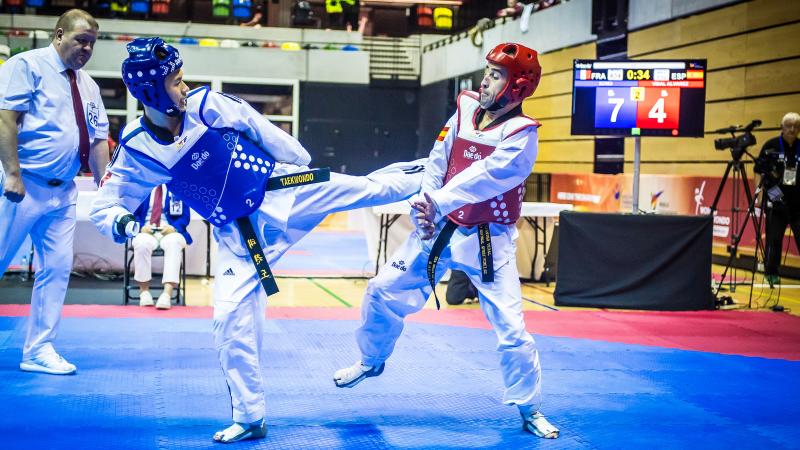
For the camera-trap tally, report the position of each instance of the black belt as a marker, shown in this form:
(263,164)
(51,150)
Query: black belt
(257,255)
(299,179)
(249,233)
(487,262)
(54,182)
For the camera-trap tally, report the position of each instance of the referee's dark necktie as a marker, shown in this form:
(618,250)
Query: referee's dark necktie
(158,207)
(80,119)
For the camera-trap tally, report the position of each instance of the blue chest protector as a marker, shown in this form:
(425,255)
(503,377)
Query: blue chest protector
(223,177)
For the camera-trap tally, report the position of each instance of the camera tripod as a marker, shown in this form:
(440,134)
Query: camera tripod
(736,166)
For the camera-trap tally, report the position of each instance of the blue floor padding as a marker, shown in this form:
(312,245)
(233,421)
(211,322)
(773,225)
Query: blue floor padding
(156,384)
(327,253)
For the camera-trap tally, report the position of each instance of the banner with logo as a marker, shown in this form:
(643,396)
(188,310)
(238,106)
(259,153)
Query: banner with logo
(587,192)
(665,194)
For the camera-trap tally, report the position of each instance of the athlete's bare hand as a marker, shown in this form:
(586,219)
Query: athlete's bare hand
(13,188)
(425,216)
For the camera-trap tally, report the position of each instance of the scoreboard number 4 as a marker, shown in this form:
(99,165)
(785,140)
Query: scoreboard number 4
(657,111)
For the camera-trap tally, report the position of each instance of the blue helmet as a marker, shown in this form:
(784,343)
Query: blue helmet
(150,61)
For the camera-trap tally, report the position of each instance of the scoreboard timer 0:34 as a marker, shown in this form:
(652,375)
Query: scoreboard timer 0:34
(639,98)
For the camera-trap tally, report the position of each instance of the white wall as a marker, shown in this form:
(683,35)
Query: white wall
(331,66)
(561,26)
(197,30)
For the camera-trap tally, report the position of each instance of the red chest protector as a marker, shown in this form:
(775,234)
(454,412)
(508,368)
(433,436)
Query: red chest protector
(471,145)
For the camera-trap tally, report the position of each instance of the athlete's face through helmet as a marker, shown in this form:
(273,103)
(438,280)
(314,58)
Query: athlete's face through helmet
(494,82)
(177,89)
(522,73)
(152,73)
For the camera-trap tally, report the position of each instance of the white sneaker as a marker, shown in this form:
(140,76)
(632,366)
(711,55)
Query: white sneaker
(164,301)
(53,364)
(146,299)
(351,376)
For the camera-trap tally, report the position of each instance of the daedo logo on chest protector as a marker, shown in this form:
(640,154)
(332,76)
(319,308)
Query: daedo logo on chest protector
(198,159)
(472,153)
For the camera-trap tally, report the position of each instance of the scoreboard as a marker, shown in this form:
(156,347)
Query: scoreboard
(639,98)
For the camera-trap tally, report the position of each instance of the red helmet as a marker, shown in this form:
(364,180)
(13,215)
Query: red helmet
(524,71)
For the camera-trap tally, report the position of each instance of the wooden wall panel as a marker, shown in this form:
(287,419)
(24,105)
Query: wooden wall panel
(565,156)
(741,49)
(773,43)
(777,77)
(543,108)
(687,30)
(558,130)
(682,150)
(754,63)
(554,83)
(725,84)
(765,13)
(696,169)
(722,22)
(556,167)
(562,59)
(771,109)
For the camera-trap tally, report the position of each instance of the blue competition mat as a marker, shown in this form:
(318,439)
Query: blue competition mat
(156,384)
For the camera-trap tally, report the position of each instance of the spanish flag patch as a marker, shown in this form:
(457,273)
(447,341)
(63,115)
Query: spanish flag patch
(443,134)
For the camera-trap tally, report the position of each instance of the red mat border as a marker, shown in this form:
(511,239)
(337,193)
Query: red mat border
(746,333)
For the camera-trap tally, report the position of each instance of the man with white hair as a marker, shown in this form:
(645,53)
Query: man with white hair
(783,208)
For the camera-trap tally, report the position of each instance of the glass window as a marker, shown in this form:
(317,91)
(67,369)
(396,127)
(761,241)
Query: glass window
(269,100)
(192,85)
(113,92)
(115,125)
(196,84)
(285,126)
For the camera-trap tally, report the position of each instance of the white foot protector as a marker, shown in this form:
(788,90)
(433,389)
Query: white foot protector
(351,376)
(241,431)
(537,424)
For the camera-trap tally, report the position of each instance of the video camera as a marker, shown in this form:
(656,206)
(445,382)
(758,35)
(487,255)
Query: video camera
(737,144)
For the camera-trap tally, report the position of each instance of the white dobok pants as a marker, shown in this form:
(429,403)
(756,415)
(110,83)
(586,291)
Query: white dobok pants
(47,214)
(143,246)
(240,300)
(402,288)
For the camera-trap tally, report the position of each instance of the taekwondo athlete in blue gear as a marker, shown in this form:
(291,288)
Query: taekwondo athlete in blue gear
(473,188)
(225,160)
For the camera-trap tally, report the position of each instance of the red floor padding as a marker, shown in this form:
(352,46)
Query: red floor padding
(747,333)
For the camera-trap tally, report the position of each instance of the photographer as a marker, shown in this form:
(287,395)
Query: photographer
(778,164)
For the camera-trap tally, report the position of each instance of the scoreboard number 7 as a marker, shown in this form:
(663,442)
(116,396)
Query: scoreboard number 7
(617,102)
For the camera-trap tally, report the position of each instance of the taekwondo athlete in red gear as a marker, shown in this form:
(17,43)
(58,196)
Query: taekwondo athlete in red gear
(222,158)
(471,197)
(52,124)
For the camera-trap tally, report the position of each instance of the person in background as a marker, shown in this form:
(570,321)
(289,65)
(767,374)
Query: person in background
(259,18)
(335,13)
(163,220)
(52,124)
(350,11)
(303,14)
(782,188)
(513,9)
